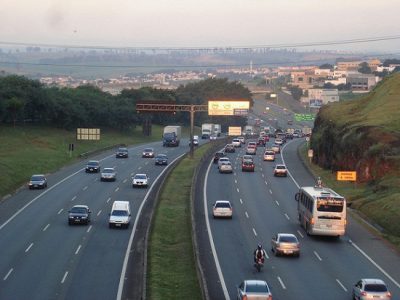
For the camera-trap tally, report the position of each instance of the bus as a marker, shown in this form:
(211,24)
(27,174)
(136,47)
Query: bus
(321,211)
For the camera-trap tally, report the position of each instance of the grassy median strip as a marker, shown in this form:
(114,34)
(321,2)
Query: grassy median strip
(171,263)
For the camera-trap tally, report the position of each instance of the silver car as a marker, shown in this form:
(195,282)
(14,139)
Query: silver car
(254,289)
(226,167)
(285,244)
(222,209)
(108,174)
(140,180)
(37,181)
(222,160)
(369,288)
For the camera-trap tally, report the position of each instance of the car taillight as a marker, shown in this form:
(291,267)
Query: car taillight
(363,294)
(389,294)
(312,221)
(270,297)
(244,297)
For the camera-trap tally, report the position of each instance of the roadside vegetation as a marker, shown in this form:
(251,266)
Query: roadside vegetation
(171,263)
(363,135)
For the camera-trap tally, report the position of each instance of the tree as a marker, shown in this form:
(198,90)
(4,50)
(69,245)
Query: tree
(296,92)
(364,68)
(326,66)
(14,107)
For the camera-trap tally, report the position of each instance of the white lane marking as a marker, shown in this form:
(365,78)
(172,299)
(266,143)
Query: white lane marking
(254,231)
(281,282)
(140,168)
(283,162)
(263,175)
(277,203)
(90,228)
(116,190)
(29,247)
(98,214)
(125,180)
(317,255)
(8,274)
(45,228)
(247,215)
(138,214)
(108,200)
(261,170)
(132,174)
(287,217)
(64,277)
(343,287)
(210,237)
(241,201)
(266,183)
(146,163)
(300,234)
(60,211)
(270,191)
(235,180)
(73,198)
(85,188)
(375,264)
(77,250)
(234,173)
(237,189)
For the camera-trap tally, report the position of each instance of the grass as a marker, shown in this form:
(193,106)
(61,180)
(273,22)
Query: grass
(25,150)
(380,208)
(171,264)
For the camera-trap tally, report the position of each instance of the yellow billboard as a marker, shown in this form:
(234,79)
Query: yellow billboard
(346,176)
(228,107)
(234,131)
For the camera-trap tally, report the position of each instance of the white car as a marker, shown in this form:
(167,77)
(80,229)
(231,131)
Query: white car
(241,139)
(222,209)
(223,160)
(269,155)
(236,143)
(226,167)
(278,141)
(280,170)
(371,288)
(140,180)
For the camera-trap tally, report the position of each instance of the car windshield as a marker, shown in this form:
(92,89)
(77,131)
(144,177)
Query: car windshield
(375,288)
(148,150)
(93,163)
(247,163)
(122,150)
(79,210)
(140,177)
(222,205)
(161,156)
(37,178)
(257,288)
(119,213)
(281,167)
(287,239)
(108,171)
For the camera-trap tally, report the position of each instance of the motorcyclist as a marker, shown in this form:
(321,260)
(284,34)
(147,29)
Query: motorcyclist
(319,182)
(259,253)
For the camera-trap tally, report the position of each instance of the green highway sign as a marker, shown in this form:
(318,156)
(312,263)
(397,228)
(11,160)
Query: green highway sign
(304,117)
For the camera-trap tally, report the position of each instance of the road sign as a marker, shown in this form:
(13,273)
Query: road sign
(346,176)
(235,131)
(304,117)
(228,107)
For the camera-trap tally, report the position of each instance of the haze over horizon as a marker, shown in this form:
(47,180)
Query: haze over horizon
(207,23)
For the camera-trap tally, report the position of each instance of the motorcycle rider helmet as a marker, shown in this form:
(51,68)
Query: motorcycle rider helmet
(259,246)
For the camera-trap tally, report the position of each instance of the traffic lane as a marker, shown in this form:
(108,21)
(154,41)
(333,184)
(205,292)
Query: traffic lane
(372,249)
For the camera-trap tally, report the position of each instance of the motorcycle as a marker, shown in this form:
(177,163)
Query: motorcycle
(259,264)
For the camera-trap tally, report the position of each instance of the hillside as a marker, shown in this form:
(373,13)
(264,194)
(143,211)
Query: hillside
(364,135)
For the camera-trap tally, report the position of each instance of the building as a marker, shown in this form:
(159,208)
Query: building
(318,97)
(355,64)
(362,82)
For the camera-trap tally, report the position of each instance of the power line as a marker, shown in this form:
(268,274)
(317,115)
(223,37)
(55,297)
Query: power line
(271,46)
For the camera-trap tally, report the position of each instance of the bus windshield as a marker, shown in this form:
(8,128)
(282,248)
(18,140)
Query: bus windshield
(330,205)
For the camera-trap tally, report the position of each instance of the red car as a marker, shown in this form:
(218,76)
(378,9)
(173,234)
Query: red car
(247,166)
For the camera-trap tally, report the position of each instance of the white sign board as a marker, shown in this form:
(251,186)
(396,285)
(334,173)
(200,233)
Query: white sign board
(228,107)
(234,131)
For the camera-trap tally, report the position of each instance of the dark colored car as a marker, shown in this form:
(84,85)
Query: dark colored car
(148,152)
(161,159)
(248,166)
(38,181)
(217,156)
(122,153)
(229,148)
(93,166)
(261,141)
(79,214)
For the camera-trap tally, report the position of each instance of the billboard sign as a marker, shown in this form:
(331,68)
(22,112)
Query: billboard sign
(346,176)
(228,107)
(88,134)
(234,131)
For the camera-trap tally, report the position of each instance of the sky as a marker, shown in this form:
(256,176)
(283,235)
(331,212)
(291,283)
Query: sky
(201,23)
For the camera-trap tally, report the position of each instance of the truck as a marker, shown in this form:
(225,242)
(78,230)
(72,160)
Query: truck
(248,130)
(171,136)
(306,131)
(217,129)
(207,130)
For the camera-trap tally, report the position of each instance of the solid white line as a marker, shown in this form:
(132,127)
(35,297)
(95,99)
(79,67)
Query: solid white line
(108,200)
(281,282)
(283,161)
(241,201)
(45,228)
(64,277)
(128,248)
(247,215)
(125,180)
(277,203)
(287,217)
(237,190)
(300,234)
(116,190)
(77,250)
(90,228)
(98,214)
(60,211)
(8,274)
(317,255)
(73,198)
(210,237)
(375,264)
(254,231)
(29,247)
(270,191)
(343,287)
(85,188)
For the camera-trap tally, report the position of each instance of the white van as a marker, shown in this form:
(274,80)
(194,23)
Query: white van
(120,215)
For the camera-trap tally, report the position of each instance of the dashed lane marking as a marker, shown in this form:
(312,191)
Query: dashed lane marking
(64,277)
(45,228)
(247,215)
(60,211)
(341,284)
(29,247)
(281,282)
(254,231)
(8,274)
(317,255)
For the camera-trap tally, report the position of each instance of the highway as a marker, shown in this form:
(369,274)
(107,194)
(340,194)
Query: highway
(44,258)
(264,205)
